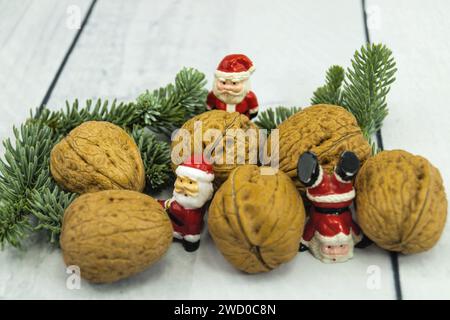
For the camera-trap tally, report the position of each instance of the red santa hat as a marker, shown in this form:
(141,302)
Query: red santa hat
(196,167)
(235,67)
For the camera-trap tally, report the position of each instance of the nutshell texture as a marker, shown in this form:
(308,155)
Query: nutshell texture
(326,130)
(257,220)
(97,156)
(114,234)
(240,150)
(401,202)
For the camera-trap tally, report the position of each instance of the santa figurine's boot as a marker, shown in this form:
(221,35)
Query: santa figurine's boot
(308,169)
(191,246)
(347,166)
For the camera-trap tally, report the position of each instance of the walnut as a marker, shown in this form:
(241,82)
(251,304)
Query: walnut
(326,130)
(257,220)
(401,202)
(113,234)
(226,124)
(97,156)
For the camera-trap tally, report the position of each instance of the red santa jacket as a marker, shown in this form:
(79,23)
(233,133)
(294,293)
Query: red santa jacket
(185,221)
(330,192)
(248,106)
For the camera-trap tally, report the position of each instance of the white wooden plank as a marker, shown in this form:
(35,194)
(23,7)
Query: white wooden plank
(419,119)
(34,38)
(126,49)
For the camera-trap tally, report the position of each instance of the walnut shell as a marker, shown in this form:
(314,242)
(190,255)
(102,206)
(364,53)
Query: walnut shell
(97,156)
(401,202)
(326,130)
(224,122)
(257,220)
(113,234)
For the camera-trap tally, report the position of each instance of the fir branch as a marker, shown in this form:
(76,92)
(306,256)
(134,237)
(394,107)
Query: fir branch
(365,87)
(156,157)
(48,205)
(63,121)
(330,93)
(23,170)
(368,82)
(166,109)
(271,118)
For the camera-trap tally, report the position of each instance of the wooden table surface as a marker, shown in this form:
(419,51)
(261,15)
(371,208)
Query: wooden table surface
(126,47)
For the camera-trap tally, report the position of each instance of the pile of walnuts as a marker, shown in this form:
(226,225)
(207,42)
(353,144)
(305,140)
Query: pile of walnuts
(256,219)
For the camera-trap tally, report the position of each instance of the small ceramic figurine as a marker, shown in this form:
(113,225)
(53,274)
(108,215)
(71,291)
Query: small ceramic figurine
(231,88)
(192,190)
(330,233)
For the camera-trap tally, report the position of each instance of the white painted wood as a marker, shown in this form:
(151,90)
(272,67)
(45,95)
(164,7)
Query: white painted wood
(419,119)
(34,38)
(126,49)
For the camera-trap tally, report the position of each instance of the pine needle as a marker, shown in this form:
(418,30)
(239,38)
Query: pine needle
(271,118)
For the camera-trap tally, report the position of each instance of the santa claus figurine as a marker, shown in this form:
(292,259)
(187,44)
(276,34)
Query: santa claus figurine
(231,88)
(192,190)
(330,233)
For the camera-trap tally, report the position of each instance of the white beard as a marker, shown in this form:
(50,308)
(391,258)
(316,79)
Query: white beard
(188,202)
(314,246)
(231,97)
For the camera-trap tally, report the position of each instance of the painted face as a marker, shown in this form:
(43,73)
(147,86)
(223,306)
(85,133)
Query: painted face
(335,252)
(229,86)
(186,186)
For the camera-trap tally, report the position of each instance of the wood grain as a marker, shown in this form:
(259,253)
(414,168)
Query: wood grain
(34,38)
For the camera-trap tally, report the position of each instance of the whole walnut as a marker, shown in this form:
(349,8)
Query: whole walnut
(257,220)
(228,126)
(326,130)
(97,156)
(113,234)
(401,202)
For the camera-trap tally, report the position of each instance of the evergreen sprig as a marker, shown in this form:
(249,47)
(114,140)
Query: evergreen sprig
(362,90)
(368,82)
(167,108)
(330,93)
(30,200)
(271,118)
(157,154)
(23,172)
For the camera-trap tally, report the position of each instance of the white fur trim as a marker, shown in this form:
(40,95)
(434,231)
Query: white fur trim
(303,241)
(177,235)
(254,110)
(337,239)
(231,108)
(332,198)
(193,173)
(192,237)
(238,76)
(319,178)
(340,179)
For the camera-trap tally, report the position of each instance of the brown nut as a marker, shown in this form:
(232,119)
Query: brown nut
(97,156)
(401,202)
(226,124)
(257,220)
(326,130)
(111,235)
